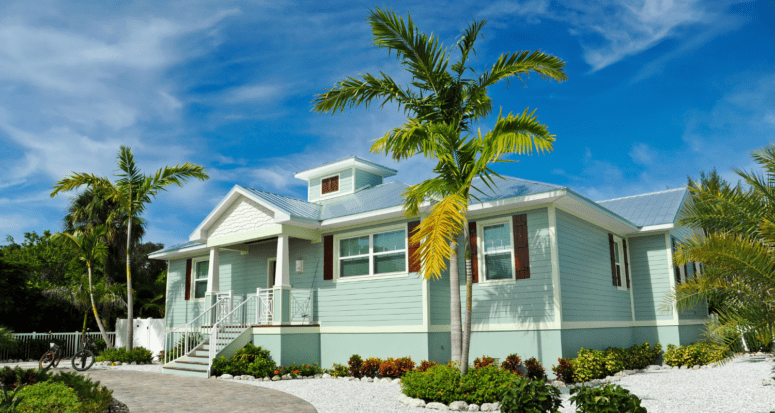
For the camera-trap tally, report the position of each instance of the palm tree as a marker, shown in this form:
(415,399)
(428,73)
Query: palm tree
(91,249)
(132,191)
(106,297)
(737,252)
(442,109)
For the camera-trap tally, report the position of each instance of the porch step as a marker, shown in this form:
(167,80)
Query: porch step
(191,365)
(180,371)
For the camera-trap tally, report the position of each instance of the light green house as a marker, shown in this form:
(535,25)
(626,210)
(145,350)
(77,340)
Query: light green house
(323,279)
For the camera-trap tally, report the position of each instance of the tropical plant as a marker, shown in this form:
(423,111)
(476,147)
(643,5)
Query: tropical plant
(132,191)
(76,293)
(7,342)
(737,255)
(91,248)
(443,107)
(610,398)
(535,396)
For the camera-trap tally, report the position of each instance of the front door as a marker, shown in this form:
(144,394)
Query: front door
(271,272)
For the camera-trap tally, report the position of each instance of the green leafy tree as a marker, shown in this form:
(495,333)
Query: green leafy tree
(443,106)
(91,249)
(132,191)
(737,255)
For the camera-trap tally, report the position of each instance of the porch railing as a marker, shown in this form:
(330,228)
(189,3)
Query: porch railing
(301,306)
(265,307)
(232,324)
(30,344)
(179,341)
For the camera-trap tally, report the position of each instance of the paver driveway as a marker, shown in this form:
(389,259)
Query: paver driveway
(155,392)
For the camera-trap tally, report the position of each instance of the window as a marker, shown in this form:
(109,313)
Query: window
(373,254)
(677,270)
(618,259)
(498,251)
(330,185)
(199,284)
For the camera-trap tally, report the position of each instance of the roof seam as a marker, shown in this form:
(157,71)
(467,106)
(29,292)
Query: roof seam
(635,196)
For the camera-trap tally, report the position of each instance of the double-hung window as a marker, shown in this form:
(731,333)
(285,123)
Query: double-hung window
(618,261)
(199,283)
(373,254)
(498,251)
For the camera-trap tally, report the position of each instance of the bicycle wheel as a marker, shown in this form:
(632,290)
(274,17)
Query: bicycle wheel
(47,360)
(83,360)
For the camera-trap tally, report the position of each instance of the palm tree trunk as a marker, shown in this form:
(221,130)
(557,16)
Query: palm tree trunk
(130,322)
(454,305)
(469,304)
(85,317)
(97,316)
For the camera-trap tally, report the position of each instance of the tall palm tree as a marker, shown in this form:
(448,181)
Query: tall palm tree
(91,248)
(443,107)
(737,252)
(76,293)
(132,191)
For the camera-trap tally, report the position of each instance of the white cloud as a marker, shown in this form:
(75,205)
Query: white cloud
(643,153)
(253,93)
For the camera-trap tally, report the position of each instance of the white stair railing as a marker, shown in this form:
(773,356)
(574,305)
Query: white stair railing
(265,307)
(231,325)
(181,340)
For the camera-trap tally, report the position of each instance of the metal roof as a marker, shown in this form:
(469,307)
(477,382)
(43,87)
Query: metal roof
(509,187)
(384,171)
(176,247)
(292,206)
(649,209)
(379,197)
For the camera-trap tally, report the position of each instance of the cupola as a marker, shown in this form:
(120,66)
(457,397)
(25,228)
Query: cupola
(342,177)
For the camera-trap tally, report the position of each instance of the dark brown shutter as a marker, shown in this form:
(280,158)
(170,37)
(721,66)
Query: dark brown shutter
(611,246)
(521,251)
(188,279)
(328,257)
(473,244)
(414,259)
(626,264)
(676,269)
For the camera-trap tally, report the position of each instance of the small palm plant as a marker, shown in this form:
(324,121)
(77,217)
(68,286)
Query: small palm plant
(7,342)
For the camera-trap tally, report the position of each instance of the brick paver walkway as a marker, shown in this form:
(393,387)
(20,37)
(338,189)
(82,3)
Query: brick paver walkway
(155,392)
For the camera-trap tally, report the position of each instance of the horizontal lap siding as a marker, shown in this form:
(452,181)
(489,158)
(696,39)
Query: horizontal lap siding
(179,311)
(651,275)
(363,178)
(585,273)
(528,300)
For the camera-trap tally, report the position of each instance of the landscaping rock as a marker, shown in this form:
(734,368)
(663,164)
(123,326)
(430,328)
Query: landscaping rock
(275,378)
(473,407)
(319,376)
(557,383)
(326,376)
(437,406)
(227,377)
(287,377)
(683,368)
(386,380)
(490,407)
(768,382)
(415,402)
(675,367)
(367,379)
(458,406)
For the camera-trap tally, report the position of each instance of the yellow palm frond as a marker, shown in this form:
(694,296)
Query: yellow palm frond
(436,232)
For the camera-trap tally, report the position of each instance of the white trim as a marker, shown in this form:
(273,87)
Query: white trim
(181,253)
(426,307)
(370,232)
(573,325)
(259,331)
(269,277)
(654,228)
(671,271)
(555,259)
(481,251)
(632,280)
(354,162)
(194,262)
(338,191)
(622,278)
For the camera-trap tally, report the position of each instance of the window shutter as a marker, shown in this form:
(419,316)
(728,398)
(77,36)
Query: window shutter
(676,269)
(611,246)
(521,252)
(328,257)
(474,246)
(414,260)
(626,263)
(188,279)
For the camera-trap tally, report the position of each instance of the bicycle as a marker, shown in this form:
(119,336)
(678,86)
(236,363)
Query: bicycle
(81,361)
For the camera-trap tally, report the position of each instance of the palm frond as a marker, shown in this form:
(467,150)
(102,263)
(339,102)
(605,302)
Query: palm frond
(436,232)
(353,92)
(522,63)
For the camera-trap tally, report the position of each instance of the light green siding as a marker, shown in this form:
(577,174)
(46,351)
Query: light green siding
(179,311)
(363,178)
(337,348)
(585,273)
(651,275)
(345,184)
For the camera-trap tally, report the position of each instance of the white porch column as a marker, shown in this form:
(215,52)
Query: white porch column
(282,269)
(213,281)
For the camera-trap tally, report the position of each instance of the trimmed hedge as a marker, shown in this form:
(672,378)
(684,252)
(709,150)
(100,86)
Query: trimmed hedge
(595,364)
(691,355)
(444,384)
(137,354)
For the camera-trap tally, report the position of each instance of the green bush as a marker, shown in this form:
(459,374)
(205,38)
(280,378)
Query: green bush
(93,397)
(425,365)
(535,396)
(691,355)
(564,371)
(355,364)
(589,365)
(444,384)
(606,399)
(137,354)
(370,367)
(396,368)
(483,361)
(10,401)
(12,378)
(49,397)
(512,363)
(594,364)
(249,360)
(534,369)
(338,370)
(100,345)
(7,342)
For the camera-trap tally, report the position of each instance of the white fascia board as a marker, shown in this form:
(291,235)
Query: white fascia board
(656,228)
(476,209)
(200,233)
(598,214)
(347,163)
(370,217)
(184,252)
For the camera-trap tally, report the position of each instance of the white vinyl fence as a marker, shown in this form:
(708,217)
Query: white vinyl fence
(34,345)
(149,333)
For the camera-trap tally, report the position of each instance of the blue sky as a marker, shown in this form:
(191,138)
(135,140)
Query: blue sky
(656,91)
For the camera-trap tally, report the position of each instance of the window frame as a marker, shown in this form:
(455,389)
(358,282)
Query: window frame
(194,263)
(622,278)
(338,185)
(370,232)
(681,269)
(480,225)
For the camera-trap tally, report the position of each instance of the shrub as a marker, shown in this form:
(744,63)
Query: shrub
(564,371)
(609,398)
(355,364)
(49,397)
(425,365)
(444,384)
(396,368)
(7,342)
(525,395)
(483,361)
(691,355)
(137,354)
(370,367)
(534,369)
(249,360)
(512,363)
(100,345)
(338,370)
(589,365)
(12,378)
(10,401)
(93,397)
